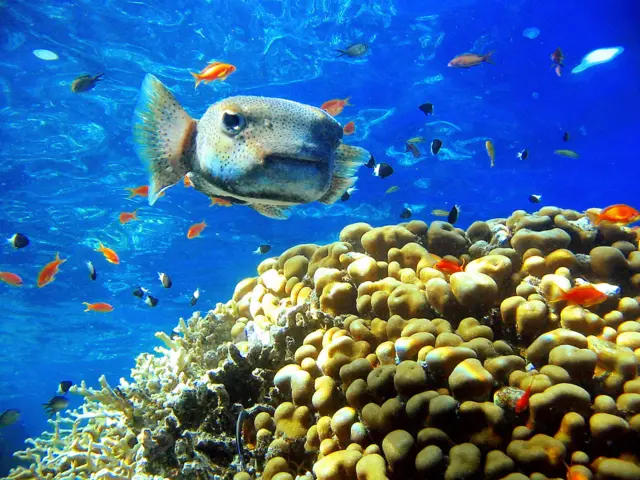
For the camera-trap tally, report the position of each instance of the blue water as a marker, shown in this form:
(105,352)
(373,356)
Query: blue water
(67,158)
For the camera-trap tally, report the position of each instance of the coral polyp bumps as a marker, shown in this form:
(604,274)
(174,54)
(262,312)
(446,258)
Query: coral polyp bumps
(362,359)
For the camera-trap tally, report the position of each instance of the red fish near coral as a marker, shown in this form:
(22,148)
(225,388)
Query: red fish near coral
(49,271)
(195,230)
(619,214)
(126,217)
(468,60)
(349,128)
(213,71)
(98,307)
(557,58)
(10,279)
(110,255)
(334,107)
(447,266)
(584,295)
(523,402)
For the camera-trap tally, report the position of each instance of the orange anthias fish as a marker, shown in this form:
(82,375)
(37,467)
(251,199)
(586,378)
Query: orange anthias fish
(491,151)
(584,295)
(110,255)
(334,107)
(187,182)
(126,217)
(618,214)
(523,402)
(448,266)
(10,279)
(195,230)
(349,128)
(142,191)
(468,60)
(49,271)
(98,307)
(221,202)
(557,58)
(213,71)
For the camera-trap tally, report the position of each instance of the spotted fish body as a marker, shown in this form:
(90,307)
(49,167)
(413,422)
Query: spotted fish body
(267,153)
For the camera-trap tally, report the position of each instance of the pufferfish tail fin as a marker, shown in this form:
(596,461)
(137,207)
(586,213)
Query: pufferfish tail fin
(164,136)
(348,160)
(272,211)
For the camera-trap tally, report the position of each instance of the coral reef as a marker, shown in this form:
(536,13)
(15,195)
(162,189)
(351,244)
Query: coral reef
(362,360)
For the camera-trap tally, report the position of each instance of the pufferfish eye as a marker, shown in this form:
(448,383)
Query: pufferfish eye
(233,122)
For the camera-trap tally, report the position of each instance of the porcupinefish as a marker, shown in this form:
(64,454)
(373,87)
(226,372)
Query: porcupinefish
(266,153)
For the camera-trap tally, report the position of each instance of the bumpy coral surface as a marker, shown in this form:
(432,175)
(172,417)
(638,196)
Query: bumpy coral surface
(363,360)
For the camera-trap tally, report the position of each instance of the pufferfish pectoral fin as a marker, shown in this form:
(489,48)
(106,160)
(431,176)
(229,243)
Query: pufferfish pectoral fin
(348,160)
(271,211)
(338,186)
(164,136)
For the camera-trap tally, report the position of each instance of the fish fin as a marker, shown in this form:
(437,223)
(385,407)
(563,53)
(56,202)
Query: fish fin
(487,57)
(271,211)
(164,136)
(197,78)
(338,187)
(98,77)
(593,217)
(342,53)
(86,304)
(556,294)
(348,160)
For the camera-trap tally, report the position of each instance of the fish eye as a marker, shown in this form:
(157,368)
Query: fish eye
(233,122)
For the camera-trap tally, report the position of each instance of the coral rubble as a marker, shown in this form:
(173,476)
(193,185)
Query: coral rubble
(362,360)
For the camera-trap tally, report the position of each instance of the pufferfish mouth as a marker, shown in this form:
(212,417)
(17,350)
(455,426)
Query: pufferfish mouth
(298,160)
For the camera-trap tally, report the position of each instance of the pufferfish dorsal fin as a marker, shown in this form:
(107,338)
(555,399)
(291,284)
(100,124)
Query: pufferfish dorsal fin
(338,186)
(271,211)
(348,160)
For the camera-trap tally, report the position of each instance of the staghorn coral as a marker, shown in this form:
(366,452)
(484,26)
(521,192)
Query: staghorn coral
(359,359)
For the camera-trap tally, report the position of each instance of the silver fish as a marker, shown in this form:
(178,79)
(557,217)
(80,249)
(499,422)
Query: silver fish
(266,153)
(355,50)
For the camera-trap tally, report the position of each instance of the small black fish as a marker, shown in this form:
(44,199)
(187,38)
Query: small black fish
(262,249)
(371,163)
(151,301)
(452,218)
(64,386)
(165,279)
(19,241)
(411,147)
(427,108)
(347,195)
(406,213)
(239,447)
(56,404)
(535,198)
(84,83)
(436,145)
(565,137)
(9,417)
(383,170)
(523,154)
(355,50)
(139,292)
(92,271)
(195,297)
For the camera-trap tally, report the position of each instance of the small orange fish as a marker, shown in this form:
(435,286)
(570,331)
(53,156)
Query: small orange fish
(10,279)
(213,71)
(584,295)
(448,266)
(619,214)
(98,307)
(349,128)
(126,217)
(110,255)
(221,202)
(468,60)
(523,402)
(195,230)
(142,191)
(334,107)
(49,271)
(187,182)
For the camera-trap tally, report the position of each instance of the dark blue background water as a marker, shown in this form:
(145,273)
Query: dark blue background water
(67,158)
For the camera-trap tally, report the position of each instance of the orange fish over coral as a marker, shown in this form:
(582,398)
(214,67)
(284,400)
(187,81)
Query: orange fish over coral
(49,271)
(349,128)
(468,60)
(585,295)
(195,230)
(98,307)
(10,279)
(126,217)
(523,402)
(334,107)
(619,214)
(448,266)
(213,71)
(110,255)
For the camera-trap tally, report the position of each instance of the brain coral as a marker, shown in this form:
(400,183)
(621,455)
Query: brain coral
(361,360)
